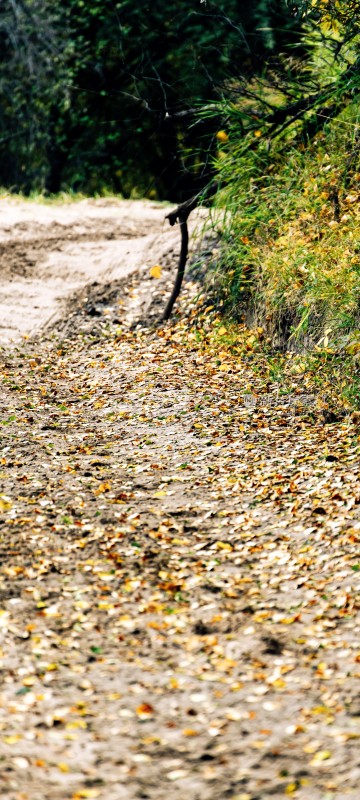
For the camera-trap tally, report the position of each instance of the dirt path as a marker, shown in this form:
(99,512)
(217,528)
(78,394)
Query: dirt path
(48,252)
(179,568)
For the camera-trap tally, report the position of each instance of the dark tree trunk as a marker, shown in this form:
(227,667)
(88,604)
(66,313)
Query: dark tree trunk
(57,159)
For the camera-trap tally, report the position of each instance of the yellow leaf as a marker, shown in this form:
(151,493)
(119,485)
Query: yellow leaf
(29,681)
(291,788)
(5,502)
(152,740)
(12,739)
(86,793)
(223,546)
(131,584)
(222,136)
(321,755)
(78,723)
(278,683)
(103,487)
(162,493)
(290,620)
(237,686)
(222,331)
(242,796)
(155,271)
(190,732)
(320,710)
(63,767)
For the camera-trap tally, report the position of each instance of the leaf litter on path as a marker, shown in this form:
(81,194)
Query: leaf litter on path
(179,573)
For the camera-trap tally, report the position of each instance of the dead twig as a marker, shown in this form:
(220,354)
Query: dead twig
(180,214)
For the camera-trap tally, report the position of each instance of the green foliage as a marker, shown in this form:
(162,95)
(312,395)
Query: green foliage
(292,224)
(32,81)
(330,11)
(106,93)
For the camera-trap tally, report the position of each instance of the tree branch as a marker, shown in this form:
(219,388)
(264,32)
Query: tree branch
(180,214)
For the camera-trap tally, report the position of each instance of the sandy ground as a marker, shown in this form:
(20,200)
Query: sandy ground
(49,252)
(179,570)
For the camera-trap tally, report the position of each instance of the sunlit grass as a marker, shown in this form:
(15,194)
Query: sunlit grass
(62,198)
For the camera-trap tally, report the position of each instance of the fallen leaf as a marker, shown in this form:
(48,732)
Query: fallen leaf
(224,546)
(145,711)
(155,271)
(291,788)
(63,767)
(14,739)
(5,503)
(320,756)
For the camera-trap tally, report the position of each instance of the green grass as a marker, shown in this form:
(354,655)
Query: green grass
(62,198)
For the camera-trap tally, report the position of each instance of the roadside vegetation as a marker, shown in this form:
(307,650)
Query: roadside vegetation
(289,187)
(290,257)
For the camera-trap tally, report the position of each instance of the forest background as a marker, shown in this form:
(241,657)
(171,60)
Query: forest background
(254,104)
